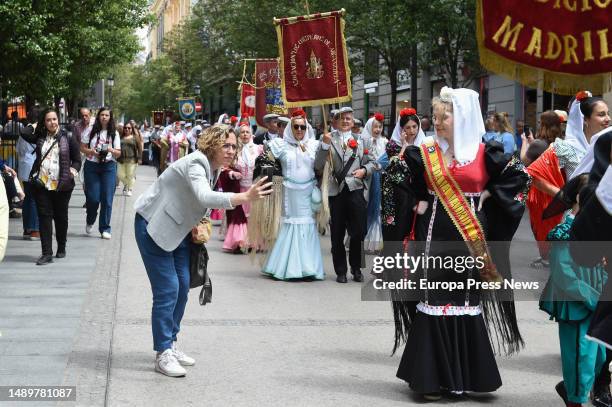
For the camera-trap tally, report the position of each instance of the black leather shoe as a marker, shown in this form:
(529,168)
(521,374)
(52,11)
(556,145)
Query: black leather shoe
(44,259)
(60,254)
(357,276)
(561,391)
(602,397)
(341,278)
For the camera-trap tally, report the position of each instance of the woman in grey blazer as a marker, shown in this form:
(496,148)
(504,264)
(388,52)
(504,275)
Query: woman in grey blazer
(165,215)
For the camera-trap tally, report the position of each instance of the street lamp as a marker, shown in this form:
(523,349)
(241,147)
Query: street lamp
(111,82)
(196,90)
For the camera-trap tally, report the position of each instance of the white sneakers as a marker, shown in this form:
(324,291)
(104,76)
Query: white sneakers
(166,363)
(106,235)
(128,192)
(171,362)
(183,359)
(88,229)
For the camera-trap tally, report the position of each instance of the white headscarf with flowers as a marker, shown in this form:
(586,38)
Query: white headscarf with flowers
(379,142)
(574,134)
(397,131)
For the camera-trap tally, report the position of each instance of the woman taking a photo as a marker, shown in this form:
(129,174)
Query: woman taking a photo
(162,227)
(102,146)
(131,156)
(58,161)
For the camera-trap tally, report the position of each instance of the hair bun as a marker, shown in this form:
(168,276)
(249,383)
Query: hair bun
(583,94)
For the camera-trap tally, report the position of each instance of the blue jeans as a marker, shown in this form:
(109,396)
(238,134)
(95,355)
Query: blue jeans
(100,184)
(169,277)
(30,214)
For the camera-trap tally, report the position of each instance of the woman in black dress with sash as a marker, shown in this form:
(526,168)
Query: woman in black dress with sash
(465,192)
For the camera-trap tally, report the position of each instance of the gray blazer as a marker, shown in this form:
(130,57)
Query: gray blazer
(340,156)
(179,198)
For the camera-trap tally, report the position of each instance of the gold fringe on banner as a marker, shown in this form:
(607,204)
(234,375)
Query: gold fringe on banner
(557,82)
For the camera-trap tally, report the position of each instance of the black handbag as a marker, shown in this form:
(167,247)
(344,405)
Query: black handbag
(198,272)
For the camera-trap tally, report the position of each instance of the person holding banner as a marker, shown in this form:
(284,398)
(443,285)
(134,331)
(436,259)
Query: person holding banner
(347,199)
(448,348)
(297,250)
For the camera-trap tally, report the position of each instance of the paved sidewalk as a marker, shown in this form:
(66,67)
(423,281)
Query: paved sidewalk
(85,321)
(41,306)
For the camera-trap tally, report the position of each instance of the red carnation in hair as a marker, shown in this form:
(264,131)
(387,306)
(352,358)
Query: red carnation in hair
(233,119)
(352,143)
(379,117)
(409,111)
(298,113)
(583,94)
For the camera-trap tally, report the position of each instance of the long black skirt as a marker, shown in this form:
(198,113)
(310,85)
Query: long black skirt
(451,353)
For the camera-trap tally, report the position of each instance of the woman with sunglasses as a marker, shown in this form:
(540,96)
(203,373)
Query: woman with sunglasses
(131,156)
(297,251)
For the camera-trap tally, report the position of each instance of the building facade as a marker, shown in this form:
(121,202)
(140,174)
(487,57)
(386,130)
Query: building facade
(168,14)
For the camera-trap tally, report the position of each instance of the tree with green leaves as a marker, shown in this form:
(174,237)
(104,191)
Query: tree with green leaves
(61,47)
(388,28)
(449,49)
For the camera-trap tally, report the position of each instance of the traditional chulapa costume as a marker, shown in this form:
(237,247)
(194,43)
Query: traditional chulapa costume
(374,239)
(396,193)
(447,345)
(236,236)
(554,166)
(296,253)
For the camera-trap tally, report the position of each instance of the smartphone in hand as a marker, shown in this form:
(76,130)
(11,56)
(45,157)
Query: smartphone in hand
(267,171)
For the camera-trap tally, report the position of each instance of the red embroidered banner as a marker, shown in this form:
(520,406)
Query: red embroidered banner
(247,100)
(268,97)
(566,45)
(313,60)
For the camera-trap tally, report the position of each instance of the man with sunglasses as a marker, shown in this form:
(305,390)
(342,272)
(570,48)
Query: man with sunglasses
(351,165)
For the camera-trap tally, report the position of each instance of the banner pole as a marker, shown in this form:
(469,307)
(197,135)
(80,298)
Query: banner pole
(324,118)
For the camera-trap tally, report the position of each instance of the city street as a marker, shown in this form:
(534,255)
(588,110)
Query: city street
(84,321)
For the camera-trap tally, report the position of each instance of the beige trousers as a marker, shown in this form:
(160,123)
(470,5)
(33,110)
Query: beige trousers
(125,173)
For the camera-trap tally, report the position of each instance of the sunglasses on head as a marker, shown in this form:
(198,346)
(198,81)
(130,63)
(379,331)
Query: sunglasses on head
(299,127)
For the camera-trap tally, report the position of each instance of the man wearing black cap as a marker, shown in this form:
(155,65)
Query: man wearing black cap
(270,122)
(347,198)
